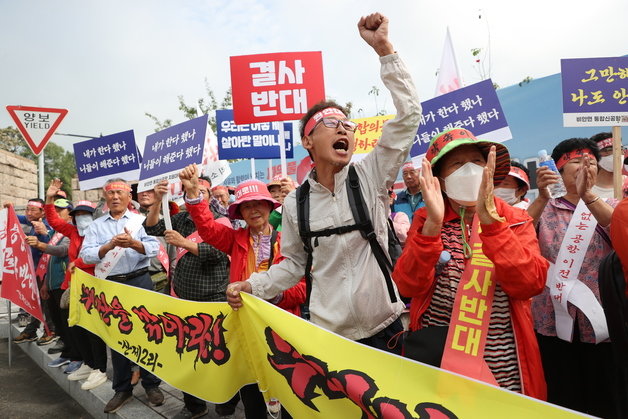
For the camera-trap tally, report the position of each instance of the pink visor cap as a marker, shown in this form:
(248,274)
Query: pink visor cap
(250,190)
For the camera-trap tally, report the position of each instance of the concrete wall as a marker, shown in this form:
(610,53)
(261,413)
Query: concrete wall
(18,179)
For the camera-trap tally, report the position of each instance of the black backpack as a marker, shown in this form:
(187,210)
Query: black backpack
(385,260)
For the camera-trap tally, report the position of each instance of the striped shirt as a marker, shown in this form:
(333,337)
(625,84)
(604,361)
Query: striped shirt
(500,352)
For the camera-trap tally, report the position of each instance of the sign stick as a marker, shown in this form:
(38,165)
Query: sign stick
(252,168)
(165,208)
(282,150)
(618,163)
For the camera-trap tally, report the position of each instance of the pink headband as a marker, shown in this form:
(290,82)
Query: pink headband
(408,166)
(35,204)
(86,204)
(320,115)
(117,186)
(519,174)
(607,142)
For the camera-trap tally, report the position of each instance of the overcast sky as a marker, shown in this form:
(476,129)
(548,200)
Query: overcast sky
(109,62)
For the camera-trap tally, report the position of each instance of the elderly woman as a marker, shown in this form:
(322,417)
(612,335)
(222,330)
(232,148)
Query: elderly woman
(568,317)
(515,186)
(252,249)
(471,263)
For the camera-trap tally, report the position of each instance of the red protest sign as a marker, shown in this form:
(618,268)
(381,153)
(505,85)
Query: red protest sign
(275,87)
(36,124)
(18,273)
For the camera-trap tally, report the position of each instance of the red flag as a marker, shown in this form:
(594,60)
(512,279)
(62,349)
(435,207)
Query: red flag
(18,272)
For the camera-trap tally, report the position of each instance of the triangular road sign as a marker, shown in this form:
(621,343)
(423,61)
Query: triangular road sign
(36,124)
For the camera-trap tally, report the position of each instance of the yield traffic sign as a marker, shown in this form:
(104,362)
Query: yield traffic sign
(36,124)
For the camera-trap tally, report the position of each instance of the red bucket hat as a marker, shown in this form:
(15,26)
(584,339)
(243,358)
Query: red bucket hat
(250,190)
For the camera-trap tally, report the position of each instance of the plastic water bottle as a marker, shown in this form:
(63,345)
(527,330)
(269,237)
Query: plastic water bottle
(556,190)
(443,259)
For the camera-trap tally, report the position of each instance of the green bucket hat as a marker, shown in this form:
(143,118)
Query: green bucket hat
(446,141)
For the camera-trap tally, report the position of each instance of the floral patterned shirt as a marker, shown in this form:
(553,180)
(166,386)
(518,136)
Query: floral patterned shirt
(551,231)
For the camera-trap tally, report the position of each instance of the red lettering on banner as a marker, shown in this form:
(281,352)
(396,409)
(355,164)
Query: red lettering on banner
(152,325)
(305,374)
(175,326)
(19,284)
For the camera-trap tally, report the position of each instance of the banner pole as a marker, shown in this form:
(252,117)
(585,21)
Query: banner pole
(618,163)
(282,150)
(40,167)
(10,337)
(252,168)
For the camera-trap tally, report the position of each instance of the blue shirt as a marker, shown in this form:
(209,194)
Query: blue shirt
(408,203)
(103,229)
(41,237)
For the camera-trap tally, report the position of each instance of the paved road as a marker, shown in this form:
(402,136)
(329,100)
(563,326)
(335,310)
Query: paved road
(28,392)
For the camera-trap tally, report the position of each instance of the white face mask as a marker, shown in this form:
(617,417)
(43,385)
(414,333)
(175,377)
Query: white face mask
(463,185)
(606,163)
(82,222)
(507,194)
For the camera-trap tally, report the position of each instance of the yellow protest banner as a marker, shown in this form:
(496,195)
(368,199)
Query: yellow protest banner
(210,351)
(369,131)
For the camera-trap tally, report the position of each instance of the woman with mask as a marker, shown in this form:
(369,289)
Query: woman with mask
(514,187)
(252,249)
(471,264)
(604,183)
(90,346)
(570,322)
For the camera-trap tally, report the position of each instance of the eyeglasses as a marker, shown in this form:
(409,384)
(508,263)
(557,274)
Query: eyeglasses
(335,123)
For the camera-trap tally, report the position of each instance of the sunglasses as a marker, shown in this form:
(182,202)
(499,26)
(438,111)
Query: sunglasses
(335,123)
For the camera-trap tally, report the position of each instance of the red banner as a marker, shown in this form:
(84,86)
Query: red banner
(18,272)
(275,87)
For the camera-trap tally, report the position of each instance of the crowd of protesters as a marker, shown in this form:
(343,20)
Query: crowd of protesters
(546,326)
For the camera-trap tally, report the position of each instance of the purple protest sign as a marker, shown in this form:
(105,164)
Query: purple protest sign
(168,151)
(103,158)
(595,91)
(474,107)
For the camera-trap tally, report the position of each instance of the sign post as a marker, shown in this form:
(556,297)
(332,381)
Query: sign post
(37,126)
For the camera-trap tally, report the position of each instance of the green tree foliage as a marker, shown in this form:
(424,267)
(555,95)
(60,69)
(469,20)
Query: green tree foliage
(206,105)
(58,163)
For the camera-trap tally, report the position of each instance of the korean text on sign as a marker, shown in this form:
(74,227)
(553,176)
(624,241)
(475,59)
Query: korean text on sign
(103,158)
(275,87)
(595,91)
(474,107)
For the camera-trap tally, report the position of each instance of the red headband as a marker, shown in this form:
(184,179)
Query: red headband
(320,115)
(608,142)
(519,174)
(117,186)
(205,184)
(570,155)
(35,204)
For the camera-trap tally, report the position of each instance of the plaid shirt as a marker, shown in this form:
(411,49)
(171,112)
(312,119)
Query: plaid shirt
(198,278)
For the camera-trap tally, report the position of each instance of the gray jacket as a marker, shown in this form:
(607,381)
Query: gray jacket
(349,294)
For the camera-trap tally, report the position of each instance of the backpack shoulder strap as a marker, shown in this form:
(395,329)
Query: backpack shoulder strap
(273,240)
(361,215)
(303,221)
